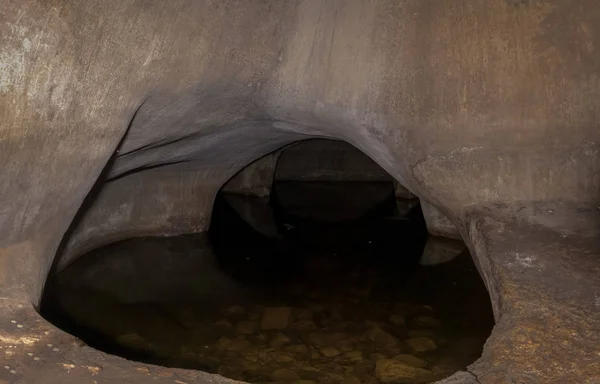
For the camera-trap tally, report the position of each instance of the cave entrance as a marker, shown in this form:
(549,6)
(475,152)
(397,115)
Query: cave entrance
(312,272)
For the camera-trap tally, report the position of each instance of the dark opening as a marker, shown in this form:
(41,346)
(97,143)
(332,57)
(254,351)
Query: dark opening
(319,282)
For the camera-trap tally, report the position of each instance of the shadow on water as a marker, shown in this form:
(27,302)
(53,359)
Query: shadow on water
(283,293)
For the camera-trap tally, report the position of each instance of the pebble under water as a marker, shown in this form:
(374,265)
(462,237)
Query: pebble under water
(320,302)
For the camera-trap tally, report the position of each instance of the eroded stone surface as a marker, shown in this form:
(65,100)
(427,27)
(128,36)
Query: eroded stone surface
(476,106)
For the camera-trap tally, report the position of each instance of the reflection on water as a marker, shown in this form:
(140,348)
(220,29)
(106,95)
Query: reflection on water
(321,301)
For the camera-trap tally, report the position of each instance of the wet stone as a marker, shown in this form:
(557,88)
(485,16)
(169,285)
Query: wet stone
(382,338)
(223,344)
(298,349)
(231,372)
(421,344)
(378,356)
(285,375)
(353,355)
(135,342)
(411,360)
(318,339)
(283,358)
(308,372)
(397,372)
(303,314)
(345,345)
(238,344)
(421,333)
(246,327)
(278,340)
(265,355)
(275,318)
(223,324)
(236,310)
(303,325)
(398,320)
(330,351)
(314,354)
(337,337)
(425,322)
(335,377)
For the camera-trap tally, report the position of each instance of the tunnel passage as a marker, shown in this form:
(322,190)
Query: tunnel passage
(309,271)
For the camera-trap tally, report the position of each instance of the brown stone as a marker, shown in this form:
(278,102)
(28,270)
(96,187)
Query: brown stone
(425,322)
(377,356)
(303,313)
(329,351)
(421,344)
(353,355)
(275,318)
(397,372)
(382,338)
(278,340)
(420,333)
(411,360)
(246,327)
(266,354)
(283,358)
(318,339)
(314,354)
(134,341)
(222,344)
(298,348)
(238,344)
(337,337)
(398,320)
(223,324)
(236,310)
(303,325)
(345,345)
(308,372)
(285,375)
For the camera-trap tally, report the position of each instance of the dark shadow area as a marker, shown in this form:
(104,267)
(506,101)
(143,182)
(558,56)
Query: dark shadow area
(322,300)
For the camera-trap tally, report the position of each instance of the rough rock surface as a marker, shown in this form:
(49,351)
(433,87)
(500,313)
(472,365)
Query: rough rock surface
(487,109)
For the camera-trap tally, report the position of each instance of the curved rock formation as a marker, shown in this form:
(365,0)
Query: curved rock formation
(486,109)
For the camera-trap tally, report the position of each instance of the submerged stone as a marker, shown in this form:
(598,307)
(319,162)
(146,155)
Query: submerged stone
(381,337)
(426,322)
(275,318)
(411,360)
(421,344)
(398,320)
(329,351)
(398,372)
(246,327)
(278,340)
(285,375)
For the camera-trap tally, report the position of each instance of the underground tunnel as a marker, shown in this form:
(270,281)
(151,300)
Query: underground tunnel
(197,153)
(317,267)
